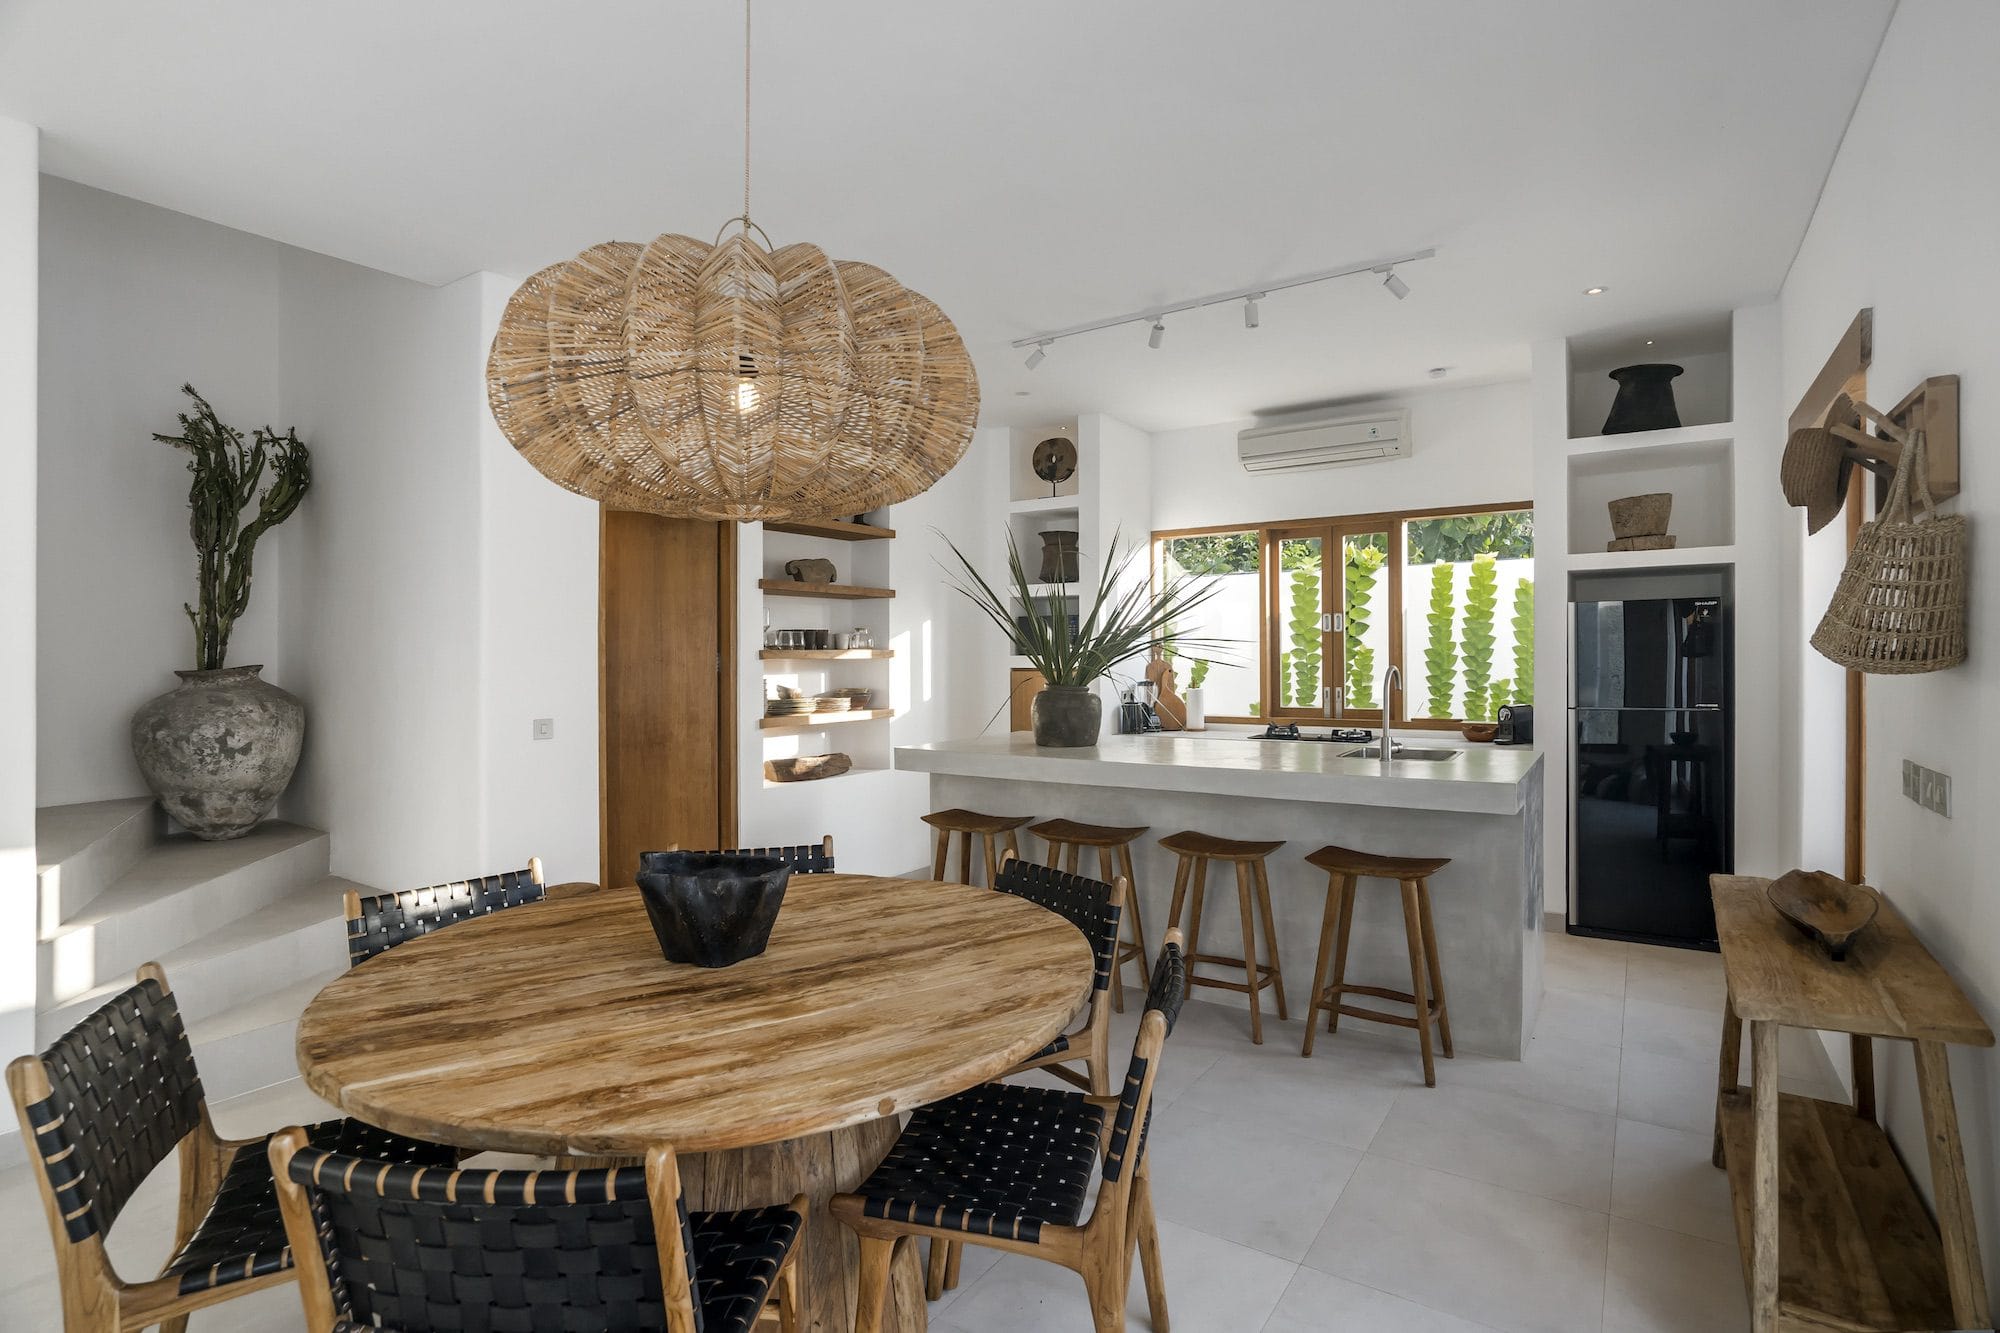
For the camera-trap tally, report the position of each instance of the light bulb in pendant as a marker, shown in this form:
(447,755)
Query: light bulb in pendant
(746,396)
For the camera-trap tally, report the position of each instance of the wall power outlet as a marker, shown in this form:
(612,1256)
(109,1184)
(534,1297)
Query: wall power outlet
(545,728)
(1927,787)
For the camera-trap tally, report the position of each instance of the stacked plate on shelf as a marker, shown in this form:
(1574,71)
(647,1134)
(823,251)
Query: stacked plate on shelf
(834,703)
(789,703)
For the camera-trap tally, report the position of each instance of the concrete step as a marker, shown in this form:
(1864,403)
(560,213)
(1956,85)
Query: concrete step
(82,850)
(252,1045)
(267,949)
(179,890)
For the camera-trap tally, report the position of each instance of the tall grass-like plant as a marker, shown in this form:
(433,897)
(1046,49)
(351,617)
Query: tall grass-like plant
(1482,599)
(1128,618)
(227,474)
(1441,651)
(1524,641)
(1362,567)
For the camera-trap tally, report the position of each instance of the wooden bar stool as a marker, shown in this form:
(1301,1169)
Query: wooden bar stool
(1195,851)
(1426,994)
(997,831)
(1066,839)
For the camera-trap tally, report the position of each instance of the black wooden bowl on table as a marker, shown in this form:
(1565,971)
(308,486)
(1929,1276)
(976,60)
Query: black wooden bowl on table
(712,910)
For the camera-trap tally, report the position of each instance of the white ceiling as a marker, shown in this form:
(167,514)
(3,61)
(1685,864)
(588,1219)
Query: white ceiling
(1028,165)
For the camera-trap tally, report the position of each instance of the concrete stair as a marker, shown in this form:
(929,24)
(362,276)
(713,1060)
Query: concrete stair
(248,930)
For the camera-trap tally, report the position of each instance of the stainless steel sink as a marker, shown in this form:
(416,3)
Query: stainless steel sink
(1401,752)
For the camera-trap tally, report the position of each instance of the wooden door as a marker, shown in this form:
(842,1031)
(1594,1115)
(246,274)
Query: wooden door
(666,740)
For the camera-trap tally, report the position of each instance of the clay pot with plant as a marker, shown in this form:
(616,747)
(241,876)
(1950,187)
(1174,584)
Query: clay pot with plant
(220,750)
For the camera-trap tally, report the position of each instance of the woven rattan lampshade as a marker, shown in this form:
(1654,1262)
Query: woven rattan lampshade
(730,381)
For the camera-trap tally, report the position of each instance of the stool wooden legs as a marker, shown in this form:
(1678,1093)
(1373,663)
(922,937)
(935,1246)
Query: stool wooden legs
(1253,902)
(992,844)
(1426,993)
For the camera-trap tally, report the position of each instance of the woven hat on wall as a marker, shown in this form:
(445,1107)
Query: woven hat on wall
(1899,608)
(731,380)
(1816,465)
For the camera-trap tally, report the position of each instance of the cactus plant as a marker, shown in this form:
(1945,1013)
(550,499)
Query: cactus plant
(1482,598)
(1441,653)
(1304,627)
(1524,641)
(1363,567)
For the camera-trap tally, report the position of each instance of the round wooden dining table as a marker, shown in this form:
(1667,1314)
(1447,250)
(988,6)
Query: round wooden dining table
(558,1029)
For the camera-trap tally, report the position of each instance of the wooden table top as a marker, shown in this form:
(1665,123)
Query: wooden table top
(557,1027)
(1888,986)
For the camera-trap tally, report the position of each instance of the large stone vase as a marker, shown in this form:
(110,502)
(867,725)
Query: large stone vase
(1066,716)
(220,750)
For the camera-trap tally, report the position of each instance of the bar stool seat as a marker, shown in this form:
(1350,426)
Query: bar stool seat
(996,832)
(1345,867)
(1066,839)
(1253,901)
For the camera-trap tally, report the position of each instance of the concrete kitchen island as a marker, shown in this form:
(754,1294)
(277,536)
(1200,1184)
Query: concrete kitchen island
(1482,808)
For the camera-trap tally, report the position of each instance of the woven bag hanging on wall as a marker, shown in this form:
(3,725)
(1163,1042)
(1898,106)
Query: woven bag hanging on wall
(1900,606)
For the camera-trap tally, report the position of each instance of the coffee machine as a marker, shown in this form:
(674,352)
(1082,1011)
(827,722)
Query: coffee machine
(1136,713)
(1516,725)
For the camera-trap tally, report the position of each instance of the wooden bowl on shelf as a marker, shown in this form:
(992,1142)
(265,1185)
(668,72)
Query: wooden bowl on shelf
(807,768)
(1828,909)
(1479,732)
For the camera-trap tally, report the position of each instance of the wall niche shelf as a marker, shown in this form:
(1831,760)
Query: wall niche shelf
(1704,392)
(1679,557)
(825,654)
(1640,440)
(846,592)
(832,529)
(1698,473)
(807,721)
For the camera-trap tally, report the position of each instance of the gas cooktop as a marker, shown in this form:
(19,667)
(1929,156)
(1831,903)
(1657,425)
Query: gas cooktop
(1289,731)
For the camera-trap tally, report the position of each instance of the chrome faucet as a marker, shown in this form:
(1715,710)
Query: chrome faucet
(1392,680)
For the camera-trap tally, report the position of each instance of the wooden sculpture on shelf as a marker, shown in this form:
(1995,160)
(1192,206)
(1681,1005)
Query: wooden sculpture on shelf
(1172,709)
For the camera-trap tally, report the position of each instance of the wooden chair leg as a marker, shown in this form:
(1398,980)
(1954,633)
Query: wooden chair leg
(788,1294)
(1436,968)
(952,1254)
(1263,881)
(934,1269)
(1348,886)
(1244,892)
(872,1298)
(1329,919)
(1138,921)
(1105,875)
(1107,1286)
(1413,932)
(943,854)
(1149,1251)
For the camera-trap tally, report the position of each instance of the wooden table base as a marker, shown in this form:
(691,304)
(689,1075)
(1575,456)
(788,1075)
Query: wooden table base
(819,1167)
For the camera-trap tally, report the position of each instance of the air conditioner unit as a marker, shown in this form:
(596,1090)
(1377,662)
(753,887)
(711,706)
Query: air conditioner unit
(1323,442)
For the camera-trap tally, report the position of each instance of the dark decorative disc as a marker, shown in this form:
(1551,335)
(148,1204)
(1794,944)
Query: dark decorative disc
(1055,460)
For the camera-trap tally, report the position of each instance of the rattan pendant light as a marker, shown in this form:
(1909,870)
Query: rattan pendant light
(731,380)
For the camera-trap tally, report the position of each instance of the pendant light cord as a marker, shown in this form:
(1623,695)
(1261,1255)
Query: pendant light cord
(746,116)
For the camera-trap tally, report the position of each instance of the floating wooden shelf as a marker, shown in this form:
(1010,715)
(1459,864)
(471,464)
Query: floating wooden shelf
(805,721)
(832,529)
(825,654)
(1860,1249)
(845,592)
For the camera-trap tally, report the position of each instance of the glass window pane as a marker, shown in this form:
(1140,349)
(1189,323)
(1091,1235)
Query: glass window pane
(1365,605)
(1469,613)
(1226,671)
(1301,645)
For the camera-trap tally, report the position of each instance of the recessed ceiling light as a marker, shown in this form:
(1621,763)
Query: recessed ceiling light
(1020,393)
(1649,342)
(1594,291)
(1439,372)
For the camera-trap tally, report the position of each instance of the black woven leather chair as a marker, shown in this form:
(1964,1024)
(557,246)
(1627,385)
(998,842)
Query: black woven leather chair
(394,1246)
(104,1106)
(385,920)
(1010,1167)
(807,858)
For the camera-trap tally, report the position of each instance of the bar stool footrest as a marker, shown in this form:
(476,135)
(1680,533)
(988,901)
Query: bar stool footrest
(1330,999)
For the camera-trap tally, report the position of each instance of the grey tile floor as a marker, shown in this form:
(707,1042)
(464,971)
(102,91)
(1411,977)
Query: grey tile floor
(1568,1192)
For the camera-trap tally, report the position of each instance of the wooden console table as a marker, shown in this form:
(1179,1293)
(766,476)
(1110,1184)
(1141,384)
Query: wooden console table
(1833,1232)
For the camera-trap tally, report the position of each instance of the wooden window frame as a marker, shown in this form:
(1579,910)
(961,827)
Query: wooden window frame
(1332,528)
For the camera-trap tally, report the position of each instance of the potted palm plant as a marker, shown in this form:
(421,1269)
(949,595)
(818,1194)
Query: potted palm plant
(1128,618)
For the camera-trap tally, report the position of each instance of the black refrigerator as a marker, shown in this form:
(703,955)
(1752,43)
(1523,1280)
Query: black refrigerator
(1652,761)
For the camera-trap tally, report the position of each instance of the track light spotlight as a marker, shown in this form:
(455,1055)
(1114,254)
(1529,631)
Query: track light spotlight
(1250,309)
(1159,332)
(1395,285)
(1035,357)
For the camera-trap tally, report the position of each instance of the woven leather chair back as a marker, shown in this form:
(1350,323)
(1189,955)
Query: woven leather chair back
(388,919)
(415,1248)
(124,1094)
(1135,1107)
(1084,903)
(811,858)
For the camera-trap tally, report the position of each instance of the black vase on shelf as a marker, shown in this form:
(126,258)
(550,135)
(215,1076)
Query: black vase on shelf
(712,910)
(1645,399)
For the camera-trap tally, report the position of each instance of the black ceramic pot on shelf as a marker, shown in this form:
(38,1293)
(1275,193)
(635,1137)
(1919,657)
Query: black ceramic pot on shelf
(1645,399)
(712,910)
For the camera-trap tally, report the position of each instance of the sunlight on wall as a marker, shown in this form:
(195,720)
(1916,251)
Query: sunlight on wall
(899,672)
(929,660)
(17,984)
(72,965)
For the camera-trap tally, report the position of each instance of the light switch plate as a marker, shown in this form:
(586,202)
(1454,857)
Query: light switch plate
(1927,787)
(545,728)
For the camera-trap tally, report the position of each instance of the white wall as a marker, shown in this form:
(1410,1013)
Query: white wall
(1906,225)
(20,151)
(1472,446)
(136,301)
